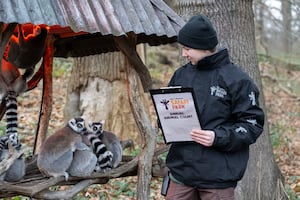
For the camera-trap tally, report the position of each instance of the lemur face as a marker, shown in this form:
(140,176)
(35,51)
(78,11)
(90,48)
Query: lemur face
(77,125)
(96,127)
(13,138)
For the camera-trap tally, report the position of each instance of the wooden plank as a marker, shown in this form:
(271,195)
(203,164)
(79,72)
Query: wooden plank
(46,107)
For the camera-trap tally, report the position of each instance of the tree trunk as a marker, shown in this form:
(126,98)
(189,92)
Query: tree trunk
(262,40)
(108,87)
(234,22)
(97,90)
(286,11)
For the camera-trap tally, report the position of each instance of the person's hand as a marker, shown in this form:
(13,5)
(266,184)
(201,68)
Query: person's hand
(204,137)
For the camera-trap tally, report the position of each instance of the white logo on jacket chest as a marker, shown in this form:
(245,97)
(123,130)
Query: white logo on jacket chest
(217,91)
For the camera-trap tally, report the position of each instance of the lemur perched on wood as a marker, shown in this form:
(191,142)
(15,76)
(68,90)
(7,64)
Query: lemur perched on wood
(17,169)
(110,140)
(83,163)
(56,155)
(103,155)
(22,52)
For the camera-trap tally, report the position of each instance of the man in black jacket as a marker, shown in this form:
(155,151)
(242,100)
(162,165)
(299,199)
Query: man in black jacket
(209,167)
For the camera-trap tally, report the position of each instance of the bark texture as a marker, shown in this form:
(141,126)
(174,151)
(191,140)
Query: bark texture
(97,90)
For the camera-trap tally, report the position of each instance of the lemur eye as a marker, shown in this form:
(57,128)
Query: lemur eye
(79,125)
(94,128)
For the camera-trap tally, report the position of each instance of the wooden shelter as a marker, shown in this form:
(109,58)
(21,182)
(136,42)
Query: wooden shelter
(81,28)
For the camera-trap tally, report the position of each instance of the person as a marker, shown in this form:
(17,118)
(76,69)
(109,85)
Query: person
(209,167)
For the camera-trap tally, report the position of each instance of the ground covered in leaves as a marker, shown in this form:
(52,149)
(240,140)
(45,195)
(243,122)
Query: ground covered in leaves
(281,89)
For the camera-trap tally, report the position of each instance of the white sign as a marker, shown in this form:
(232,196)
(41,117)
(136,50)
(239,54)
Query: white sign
(176,111)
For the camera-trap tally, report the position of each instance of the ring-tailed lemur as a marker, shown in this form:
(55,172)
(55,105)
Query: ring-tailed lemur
(25,51)
(56,154)
(104,157)
(110,140)
(6,139)
(22,52)
(17,170)
(13,83)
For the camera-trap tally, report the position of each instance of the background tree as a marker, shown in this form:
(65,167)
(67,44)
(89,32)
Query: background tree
(261,40)
(280,27)
(234,21)
(286,10)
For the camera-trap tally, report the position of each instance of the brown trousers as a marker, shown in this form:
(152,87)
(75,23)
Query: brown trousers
(182,192)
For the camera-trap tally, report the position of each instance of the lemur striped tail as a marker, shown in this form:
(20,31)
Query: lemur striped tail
(104,157)
(11,113)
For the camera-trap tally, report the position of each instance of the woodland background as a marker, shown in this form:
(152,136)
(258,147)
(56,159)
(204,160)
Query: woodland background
(278,47)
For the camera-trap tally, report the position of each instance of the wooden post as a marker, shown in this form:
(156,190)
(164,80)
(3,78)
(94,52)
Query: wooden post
(148,134)
(46,104)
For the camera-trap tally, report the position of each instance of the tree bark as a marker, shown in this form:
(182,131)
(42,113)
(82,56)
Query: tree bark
(234,22)
(262,40)
(286,10)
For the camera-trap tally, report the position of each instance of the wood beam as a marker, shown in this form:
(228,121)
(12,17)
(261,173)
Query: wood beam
(46,104)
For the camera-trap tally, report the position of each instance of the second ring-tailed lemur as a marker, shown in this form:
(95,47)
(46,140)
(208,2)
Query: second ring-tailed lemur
(109,139)
(104,156)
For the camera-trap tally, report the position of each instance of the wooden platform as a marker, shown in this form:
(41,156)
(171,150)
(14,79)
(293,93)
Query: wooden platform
(36,185)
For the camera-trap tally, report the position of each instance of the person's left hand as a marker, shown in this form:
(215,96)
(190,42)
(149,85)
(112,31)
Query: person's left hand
(204,137)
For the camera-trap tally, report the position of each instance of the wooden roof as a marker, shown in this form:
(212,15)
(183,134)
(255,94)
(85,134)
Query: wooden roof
(87,27)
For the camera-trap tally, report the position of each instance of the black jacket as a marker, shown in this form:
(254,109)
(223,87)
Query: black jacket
(227,99)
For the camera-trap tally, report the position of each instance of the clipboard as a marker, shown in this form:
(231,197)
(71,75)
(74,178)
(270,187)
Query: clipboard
(176,111)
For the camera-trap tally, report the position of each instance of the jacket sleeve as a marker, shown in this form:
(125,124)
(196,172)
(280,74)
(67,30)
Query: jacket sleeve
(247,119)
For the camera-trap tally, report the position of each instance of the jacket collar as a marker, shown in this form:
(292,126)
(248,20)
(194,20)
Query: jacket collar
(221,57)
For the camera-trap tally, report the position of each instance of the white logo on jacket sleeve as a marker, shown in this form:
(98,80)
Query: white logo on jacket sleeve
(217,91)
(252,98)
(252,121)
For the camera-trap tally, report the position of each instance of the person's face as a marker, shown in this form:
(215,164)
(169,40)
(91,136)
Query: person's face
(194,55)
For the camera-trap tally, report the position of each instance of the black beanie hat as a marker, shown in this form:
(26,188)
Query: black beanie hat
(198,33)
